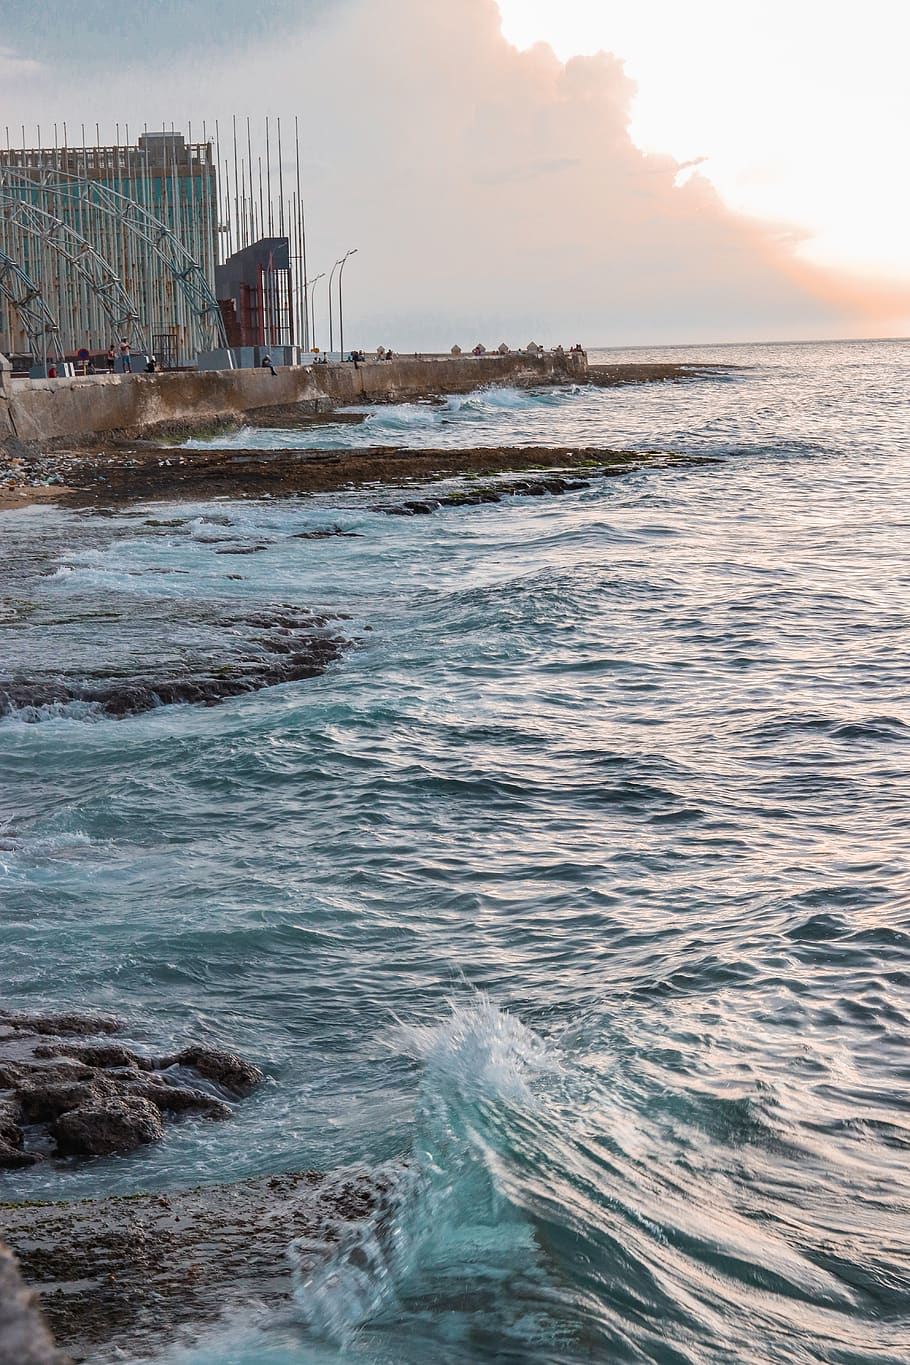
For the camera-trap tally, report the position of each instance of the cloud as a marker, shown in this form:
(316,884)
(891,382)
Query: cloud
(491,193)
(15,68)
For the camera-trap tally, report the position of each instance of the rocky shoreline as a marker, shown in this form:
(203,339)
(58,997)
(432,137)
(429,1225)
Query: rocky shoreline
(70,1089)
(67,1090)
(113,478)
(121,1277)
(128,466)
(118,1277)
(263,649)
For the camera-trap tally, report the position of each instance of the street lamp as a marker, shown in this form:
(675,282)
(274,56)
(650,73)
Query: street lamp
(306,285)
(352,252)
(331,331)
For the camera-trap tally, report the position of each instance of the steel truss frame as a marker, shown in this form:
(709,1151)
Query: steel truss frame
(38,322)
(101,279)
(60,187)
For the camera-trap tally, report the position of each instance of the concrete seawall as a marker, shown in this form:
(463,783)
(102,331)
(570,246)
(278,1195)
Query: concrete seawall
(58,410)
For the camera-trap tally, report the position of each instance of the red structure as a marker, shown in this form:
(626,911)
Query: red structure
(255,294)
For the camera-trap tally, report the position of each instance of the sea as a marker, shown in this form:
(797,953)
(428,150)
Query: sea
(572,896)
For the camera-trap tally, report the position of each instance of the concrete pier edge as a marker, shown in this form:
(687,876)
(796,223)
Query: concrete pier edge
(39,412)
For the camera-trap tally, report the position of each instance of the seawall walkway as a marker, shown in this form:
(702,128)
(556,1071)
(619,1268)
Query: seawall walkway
(36,412)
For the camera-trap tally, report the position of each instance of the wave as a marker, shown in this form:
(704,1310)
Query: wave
(538,1217)
(442,1202)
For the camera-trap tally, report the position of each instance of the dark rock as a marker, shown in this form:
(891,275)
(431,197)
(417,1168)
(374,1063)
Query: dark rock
(43,1101)
(249,664)
(325,535)
(24,1337)
(224,1068)
(98,1098)
(15,1158)
(57,1024)
(111,1055)
(106,1125)
(170,1098)
(10,1115)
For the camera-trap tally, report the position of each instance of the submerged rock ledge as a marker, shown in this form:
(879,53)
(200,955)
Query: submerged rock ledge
(127,1274)
(281,646)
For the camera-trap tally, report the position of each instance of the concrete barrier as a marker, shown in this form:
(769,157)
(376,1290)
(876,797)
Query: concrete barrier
(56,410)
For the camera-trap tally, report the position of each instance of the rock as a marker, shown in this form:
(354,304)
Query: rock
(106,1125)
(120,1278)
(14,1158)
(248,665)
(24,1337)
(180,1099)
(224,1068)
(58,1024)
(43,1101)
(10,1132)
(111,1055)
(97,1098)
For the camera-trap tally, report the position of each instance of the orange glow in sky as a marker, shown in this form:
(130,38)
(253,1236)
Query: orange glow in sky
(801,108)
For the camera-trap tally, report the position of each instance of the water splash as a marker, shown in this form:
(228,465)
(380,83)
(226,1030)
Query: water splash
(480,1062)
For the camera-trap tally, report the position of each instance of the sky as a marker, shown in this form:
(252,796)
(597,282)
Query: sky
(657,174)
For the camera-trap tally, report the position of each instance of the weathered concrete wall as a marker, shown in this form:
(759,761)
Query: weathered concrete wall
(48,410)
(6,382)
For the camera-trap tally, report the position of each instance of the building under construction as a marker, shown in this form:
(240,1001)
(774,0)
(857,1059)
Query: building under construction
(157,242)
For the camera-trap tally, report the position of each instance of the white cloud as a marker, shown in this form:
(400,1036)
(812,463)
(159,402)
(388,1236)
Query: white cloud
(15,68)
(491,193)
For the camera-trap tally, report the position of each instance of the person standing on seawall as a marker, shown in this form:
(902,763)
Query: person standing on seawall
(126,361)
(111,359)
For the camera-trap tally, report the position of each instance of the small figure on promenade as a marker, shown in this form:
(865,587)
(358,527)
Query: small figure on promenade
(111,360)
(126,360)
(267,364)
(151,365)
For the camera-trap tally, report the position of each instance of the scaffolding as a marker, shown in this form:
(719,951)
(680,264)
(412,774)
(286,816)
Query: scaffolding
(93,280)
(37,321)
(172,290)
(134,233)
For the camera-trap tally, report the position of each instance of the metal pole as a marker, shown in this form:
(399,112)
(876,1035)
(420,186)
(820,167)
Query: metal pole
(306,284)
(331,331)
(352,252)
(268,176)
(302,225)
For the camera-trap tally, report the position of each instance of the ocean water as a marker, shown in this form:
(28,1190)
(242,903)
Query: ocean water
(574,894)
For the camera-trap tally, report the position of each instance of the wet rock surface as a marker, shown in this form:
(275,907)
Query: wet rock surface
(263,650)
(141,471)
(116,1277)
(24,1335)
(59,1098)
(536,485)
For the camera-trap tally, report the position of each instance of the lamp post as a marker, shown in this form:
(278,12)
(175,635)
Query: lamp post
(352,252)
(306,285)
(331,331)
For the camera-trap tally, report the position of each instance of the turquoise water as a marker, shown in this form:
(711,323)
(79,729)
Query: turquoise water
(580,879)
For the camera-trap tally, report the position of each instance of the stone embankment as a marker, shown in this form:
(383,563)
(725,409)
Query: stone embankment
(42,412)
